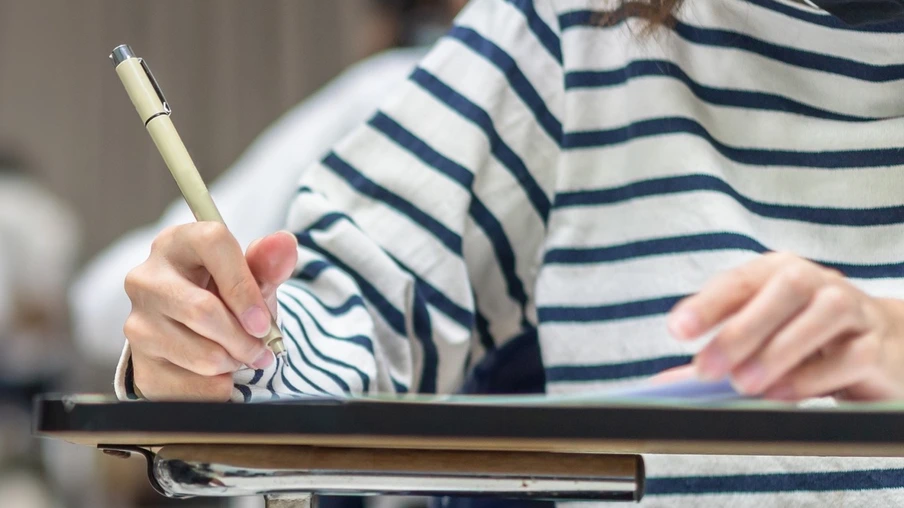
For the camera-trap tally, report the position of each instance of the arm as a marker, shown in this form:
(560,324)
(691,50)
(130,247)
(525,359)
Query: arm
(416,234)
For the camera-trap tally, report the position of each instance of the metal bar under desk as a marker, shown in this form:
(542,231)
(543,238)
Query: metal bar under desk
(290,472)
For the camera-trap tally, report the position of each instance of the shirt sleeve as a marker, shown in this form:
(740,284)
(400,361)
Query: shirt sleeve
(419,235)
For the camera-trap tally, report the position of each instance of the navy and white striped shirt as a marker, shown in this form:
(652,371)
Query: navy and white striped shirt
(543,179)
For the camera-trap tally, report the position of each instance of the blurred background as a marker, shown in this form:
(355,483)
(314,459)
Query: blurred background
(259,90)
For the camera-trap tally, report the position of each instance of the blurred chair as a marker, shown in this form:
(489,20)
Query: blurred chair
(39,243)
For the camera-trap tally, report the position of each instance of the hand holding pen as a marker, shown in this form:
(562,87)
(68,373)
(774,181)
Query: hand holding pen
(201,308)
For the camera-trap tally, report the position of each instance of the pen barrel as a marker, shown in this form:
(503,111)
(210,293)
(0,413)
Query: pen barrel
(183,169)
(145,97)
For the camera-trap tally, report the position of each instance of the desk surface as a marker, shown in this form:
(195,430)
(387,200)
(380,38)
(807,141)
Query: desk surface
(611,428)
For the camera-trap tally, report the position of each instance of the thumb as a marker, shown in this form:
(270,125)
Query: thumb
(272,260)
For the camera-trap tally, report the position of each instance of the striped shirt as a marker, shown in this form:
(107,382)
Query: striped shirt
(542,179)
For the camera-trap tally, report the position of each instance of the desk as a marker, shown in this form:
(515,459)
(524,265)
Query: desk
(532,450)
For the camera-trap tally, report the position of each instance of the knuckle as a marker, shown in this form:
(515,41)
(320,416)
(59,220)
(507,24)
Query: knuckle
(797,279)
(745,282)
(135,283)
(202,307)
(835,300)
(733,331)
(132,280)
(213,363)
(864,352)
(211,233)
(134,328)
(164,239)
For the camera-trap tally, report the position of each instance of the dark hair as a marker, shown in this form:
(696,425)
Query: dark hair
(656,12)
(410,14)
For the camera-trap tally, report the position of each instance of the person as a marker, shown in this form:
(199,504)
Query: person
(35,269)
(39,245)
(254,194)
(613,180)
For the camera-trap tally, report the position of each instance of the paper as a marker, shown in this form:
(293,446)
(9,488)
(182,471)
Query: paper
(680,392)
(687,389)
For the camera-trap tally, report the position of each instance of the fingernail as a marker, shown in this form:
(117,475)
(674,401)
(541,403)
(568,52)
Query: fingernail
(684,324)
(712,364)
(750,377)
(256,321)
(287,233)
(783,392)
(264,360)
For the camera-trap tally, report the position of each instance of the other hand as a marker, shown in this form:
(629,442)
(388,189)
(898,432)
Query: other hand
(792,329)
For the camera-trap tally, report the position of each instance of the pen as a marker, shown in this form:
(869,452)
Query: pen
(155,113)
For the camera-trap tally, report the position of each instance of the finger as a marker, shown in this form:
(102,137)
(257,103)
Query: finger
(272,261)
(161,380)
(831,314)
(848,364)
(784,295)
(173,342)
(172,296)
(211,246)
(675,374)
(723,296)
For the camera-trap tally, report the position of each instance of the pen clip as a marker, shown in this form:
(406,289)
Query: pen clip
(147,70)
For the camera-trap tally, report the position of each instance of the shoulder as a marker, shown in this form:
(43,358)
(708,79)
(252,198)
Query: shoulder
(392,62)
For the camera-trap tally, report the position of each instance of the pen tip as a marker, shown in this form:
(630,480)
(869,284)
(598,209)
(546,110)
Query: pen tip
(277,346)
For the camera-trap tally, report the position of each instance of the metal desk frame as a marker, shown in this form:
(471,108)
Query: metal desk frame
(289,476)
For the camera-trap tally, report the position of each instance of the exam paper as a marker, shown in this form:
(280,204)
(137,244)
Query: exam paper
(692,391)
(685,391)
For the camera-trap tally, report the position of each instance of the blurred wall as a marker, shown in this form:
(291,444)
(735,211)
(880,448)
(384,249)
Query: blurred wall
(227,67)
